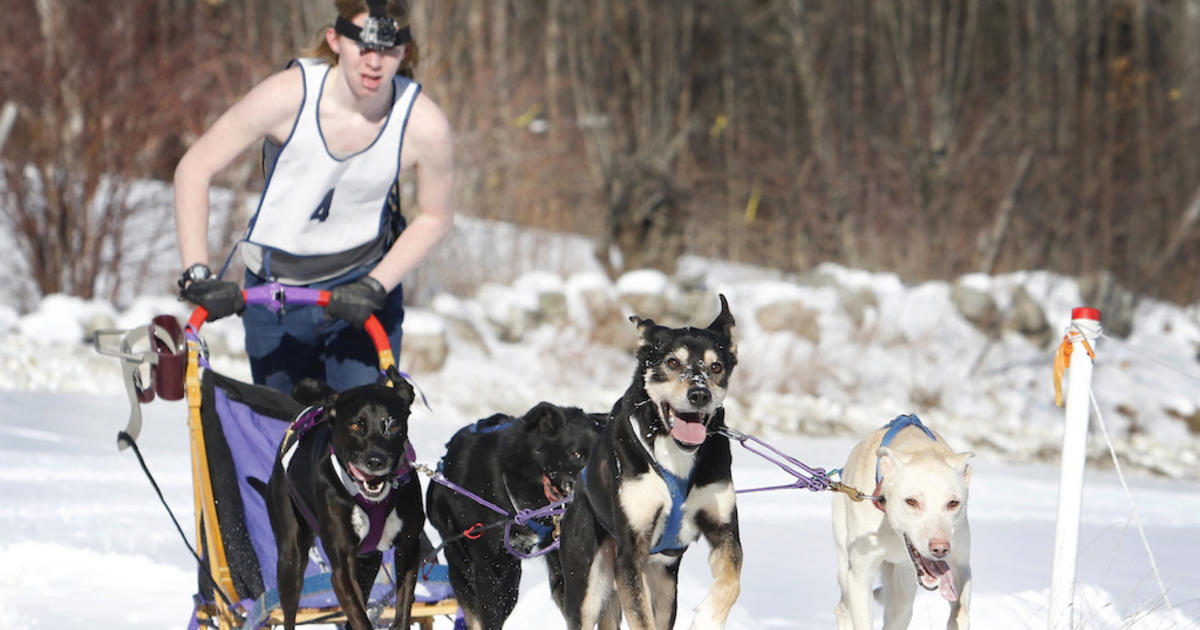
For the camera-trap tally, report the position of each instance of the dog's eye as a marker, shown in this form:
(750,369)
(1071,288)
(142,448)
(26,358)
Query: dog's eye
(393,427)
(911,502)
(673,363)
(953,505)
(716,367)
(356,426)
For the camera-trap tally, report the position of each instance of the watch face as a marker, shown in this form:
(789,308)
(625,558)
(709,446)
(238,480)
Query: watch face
(198,271)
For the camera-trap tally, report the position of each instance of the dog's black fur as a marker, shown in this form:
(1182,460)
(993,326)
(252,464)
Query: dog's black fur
(665,421)
(368,428)
(514,463)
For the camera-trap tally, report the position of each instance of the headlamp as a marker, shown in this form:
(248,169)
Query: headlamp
(379,32)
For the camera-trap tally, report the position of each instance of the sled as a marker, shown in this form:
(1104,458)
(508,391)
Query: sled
(235,429)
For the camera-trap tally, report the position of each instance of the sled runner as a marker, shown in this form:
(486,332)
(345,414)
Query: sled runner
(235,430)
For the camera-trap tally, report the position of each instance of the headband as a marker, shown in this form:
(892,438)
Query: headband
(378,33)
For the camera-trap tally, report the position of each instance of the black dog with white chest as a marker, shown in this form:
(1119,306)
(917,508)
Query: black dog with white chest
(344,473)
(523,463)
(658,479)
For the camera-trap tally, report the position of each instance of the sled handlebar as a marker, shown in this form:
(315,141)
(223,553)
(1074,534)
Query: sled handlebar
(276,297)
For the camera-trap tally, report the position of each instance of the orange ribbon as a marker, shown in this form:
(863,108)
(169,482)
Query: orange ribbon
(1062,361)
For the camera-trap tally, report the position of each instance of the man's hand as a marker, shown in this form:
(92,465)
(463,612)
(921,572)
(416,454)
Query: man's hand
(220,298)
(357,301)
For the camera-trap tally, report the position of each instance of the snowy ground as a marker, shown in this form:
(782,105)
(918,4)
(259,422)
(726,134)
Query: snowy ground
(84,541)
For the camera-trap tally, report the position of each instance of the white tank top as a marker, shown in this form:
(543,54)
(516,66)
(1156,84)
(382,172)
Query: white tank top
(316,205)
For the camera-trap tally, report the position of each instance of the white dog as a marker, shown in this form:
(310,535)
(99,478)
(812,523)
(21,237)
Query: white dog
(916,532)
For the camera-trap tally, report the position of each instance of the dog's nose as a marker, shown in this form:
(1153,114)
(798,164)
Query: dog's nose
(375,462)
(939,547)
(699,396)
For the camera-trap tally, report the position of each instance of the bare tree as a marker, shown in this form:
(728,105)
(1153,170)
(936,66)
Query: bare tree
(926,138)
(99,109)
(630,68)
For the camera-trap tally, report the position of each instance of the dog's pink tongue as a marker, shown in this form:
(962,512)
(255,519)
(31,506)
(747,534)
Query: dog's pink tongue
(940,570)
(689,432)
(947,587)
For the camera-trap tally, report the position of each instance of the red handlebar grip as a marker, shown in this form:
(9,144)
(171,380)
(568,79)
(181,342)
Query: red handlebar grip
(197,318)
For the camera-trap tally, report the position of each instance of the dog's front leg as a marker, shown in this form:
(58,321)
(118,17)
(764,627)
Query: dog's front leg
(343,567)
(725,562)
(407,562)
(960,609)
(898,590)
(857,593)
(632,586)
(293,538)
(289,578)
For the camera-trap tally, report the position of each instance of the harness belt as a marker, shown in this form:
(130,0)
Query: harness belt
(678,487)
(668,542)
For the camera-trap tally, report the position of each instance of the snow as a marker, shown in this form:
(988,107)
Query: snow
(84,540)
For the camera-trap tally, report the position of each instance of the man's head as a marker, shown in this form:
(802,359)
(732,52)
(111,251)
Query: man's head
(380,26)
(378,31)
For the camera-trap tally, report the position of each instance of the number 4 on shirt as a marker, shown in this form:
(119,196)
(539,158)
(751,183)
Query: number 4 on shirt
(322,211)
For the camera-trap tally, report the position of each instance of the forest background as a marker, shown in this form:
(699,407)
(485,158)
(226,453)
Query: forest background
(930,138)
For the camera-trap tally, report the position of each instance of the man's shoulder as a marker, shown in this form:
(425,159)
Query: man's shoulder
(428,121)
(283,83)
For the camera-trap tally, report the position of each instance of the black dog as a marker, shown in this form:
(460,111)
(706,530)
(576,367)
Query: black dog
(343,473)
(658,478)
(513,463)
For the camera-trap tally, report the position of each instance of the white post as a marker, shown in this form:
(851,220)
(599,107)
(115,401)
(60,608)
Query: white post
(1085,324)
(8,115)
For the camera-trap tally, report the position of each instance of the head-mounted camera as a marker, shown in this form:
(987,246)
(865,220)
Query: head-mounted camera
(379,32)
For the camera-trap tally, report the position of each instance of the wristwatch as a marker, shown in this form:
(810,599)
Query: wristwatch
(198,271)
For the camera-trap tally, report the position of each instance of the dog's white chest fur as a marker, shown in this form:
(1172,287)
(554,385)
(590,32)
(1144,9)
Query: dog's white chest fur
(362,526)
(646,501)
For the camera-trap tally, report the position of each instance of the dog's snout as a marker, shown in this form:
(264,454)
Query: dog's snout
(376,461)
(939,547)
(699,396)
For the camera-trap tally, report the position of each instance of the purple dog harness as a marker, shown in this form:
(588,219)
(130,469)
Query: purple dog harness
(301,450)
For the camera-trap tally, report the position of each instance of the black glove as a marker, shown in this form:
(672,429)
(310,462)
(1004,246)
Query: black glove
(355,302)
(220,298)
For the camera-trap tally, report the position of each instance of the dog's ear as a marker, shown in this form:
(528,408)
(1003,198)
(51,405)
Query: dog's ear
(402,388)
(310,391)
(723,324)
(544,418)
(645,328)
(890,461)
(958,461)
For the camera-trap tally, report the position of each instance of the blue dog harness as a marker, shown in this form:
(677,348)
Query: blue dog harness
(894,427)
(677,487)
(301,450)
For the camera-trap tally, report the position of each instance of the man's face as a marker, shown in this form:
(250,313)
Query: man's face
(367,70)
